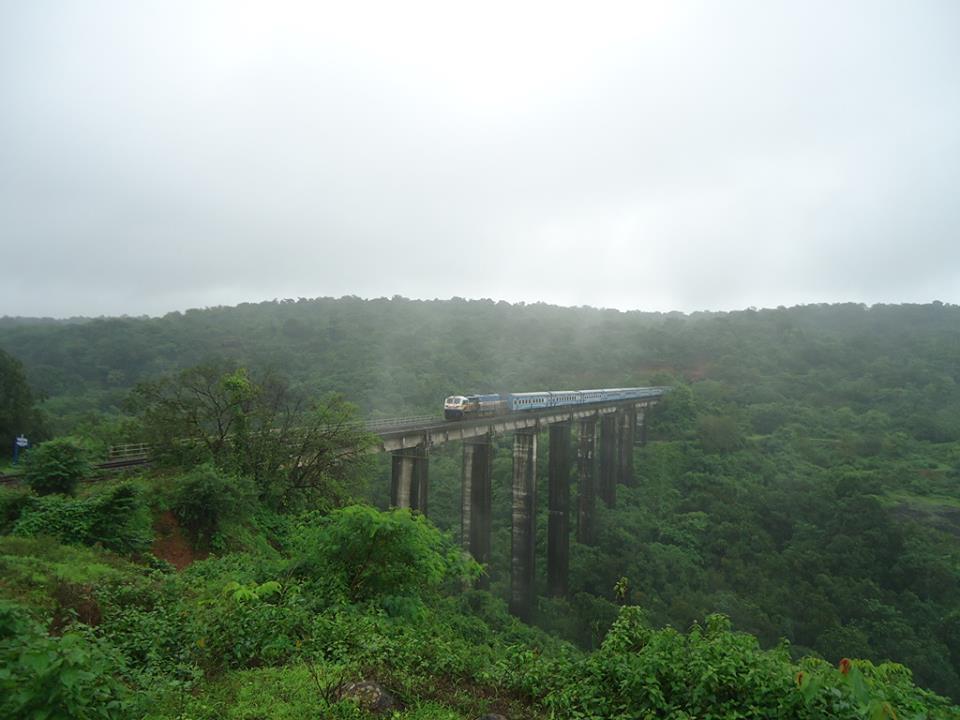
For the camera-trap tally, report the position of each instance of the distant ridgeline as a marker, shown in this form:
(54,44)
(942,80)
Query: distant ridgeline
(401,355)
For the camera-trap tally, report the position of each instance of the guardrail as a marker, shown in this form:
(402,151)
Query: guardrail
(382,423)
(129,451)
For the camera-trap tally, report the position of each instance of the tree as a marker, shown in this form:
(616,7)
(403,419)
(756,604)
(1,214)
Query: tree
(293,448)
(57,466)
(17,413)
(675,414)
(718,433)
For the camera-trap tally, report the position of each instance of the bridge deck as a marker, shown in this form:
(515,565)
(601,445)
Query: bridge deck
(440,431)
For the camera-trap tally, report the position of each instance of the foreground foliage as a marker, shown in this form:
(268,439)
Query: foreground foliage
(360,594)
(70,676)
(713,672)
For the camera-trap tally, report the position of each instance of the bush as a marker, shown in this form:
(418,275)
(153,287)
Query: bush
(56,677)
(117,519)
(370,554)
(249,625)
(68,521)
(714,672)
(12,504)
(57,466)
(206,498)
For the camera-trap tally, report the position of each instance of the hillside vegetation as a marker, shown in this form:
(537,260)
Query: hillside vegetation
(797,505)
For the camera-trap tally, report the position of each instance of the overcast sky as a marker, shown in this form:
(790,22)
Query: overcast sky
(653,155)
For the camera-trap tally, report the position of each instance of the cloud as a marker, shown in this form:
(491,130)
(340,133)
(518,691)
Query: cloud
(639,155)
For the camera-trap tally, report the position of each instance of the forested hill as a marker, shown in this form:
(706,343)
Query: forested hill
(398,355)
(802,479)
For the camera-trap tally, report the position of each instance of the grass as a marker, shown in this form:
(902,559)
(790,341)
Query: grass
(286,693)
(30,567)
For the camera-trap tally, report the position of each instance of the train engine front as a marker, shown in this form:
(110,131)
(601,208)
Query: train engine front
(454,407)
(458,407)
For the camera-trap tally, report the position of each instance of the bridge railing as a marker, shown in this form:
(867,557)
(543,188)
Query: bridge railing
(128,451)
(382,423)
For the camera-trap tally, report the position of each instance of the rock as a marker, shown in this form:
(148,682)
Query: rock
(368,695)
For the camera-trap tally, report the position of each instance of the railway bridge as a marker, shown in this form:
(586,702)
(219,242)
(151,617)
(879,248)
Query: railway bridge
(622,424)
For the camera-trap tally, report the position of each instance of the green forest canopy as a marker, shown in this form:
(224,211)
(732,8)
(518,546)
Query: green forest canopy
(802,478)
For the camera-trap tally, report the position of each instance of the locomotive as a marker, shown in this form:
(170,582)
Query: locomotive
(460,407)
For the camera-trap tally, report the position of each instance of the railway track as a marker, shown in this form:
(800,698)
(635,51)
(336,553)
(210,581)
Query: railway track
(116,464)
(135,454)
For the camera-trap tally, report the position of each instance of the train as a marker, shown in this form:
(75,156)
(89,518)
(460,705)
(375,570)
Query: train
(460,407)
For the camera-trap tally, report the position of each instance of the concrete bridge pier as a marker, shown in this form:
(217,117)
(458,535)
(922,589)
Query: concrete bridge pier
(628,427)
(409,485)
(642,426)
(524,532)
(558,504)
(609,455)
(475,506)
(586,482)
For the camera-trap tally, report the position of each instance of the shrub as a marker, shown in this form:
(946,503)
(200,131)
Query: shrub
(370,554)
(56,677)
(249,625)
(12,504)
(57,466)
(66,520)
(205,498)
(121,520)
(117,519)
(714,672)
